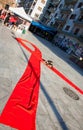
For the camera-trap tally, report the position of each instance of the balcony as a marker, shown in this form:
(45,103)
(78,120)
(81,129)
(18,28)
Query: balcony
(81,9)
(60,20)
(71,34)
(80,38)
(67,33)
(78,22)
(51,9)
(54,2)
(65,10)
(46,16)
(68,2)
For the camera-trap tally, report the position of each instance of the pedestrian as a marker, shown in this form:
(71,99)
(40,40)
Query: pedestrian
(2,16)
(6,20)
(1,11)
(23,31)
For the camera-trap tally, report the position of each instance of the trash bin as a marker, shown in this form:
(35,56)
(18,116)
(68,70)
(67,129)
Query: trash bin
(23,31)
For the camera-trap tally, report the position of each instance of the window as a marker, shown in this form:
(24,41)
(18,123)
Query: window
(34,3)
(80,5)
(39,8)
(67,27)
(56,24)
(36,15)
(43,1)
(80,18)
(51,23)
(30,12)
(73,16)
(55,15)
(76,31)
(60,6)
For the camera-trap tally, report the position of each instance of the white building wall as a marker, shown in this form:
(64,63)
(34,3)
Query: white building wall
(35,10)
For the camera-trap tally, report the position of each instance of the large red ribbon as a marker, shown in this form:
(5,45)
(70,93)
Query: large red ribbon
(20,110)
(52,68)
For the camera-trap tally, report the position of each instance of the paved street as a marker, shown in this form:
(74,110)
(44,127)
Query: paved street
(56,110)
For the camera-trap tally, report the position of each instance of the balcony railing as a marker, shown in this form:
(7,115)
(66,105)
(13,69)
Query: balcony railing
(65,10)
(78,22)
(54,2)
(68,33)
(51,10)
(80,38)
(81,9)
(67,2)
(47,16)
(61,20)
(71,34)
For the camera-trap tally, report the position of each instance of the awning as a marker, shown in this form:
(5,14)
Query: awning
(20,12)
(44,27)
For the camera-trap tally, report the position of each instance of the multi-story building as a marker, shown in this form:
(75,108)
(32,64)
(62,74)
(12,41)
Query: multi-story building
(40,9)
(68,19)
(37,8)
(33,7)
(61,14)
(25,3)
(49,10)
(74,23)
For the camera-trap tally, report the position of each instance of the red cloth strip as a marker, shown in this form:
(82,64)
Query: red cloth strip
(64,78)
(20,110)
(58,72)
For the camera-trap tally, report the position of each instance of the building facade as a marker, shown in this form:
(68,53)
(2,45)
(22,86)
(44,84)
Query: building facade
(8,2)
(25,3)
(68,19)
(37,8)
(74,23)
(48,11)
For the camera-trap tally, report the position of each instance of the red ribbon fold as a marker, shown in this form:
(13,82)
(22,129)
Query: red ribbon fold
(20,110)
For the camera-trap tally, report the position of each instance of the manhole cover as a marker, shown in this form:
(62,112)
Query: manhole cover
(70,93)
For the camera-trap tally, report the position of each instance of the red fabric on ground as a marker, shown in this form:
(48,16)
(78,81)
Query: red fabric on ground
(20,110)
(64,78)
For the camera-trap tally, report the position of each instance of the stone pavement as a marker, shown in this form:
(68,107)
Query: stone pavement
(56,110)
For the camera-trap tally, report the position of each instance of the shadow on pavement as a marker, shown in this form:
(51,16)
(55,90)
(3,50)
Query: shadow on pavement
(57,51)
(56,113)
(26,57)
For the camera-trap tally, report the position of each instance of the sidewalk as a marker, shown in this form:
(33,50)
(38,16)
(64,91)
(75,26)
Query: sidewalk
(56,110)
(12,66)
